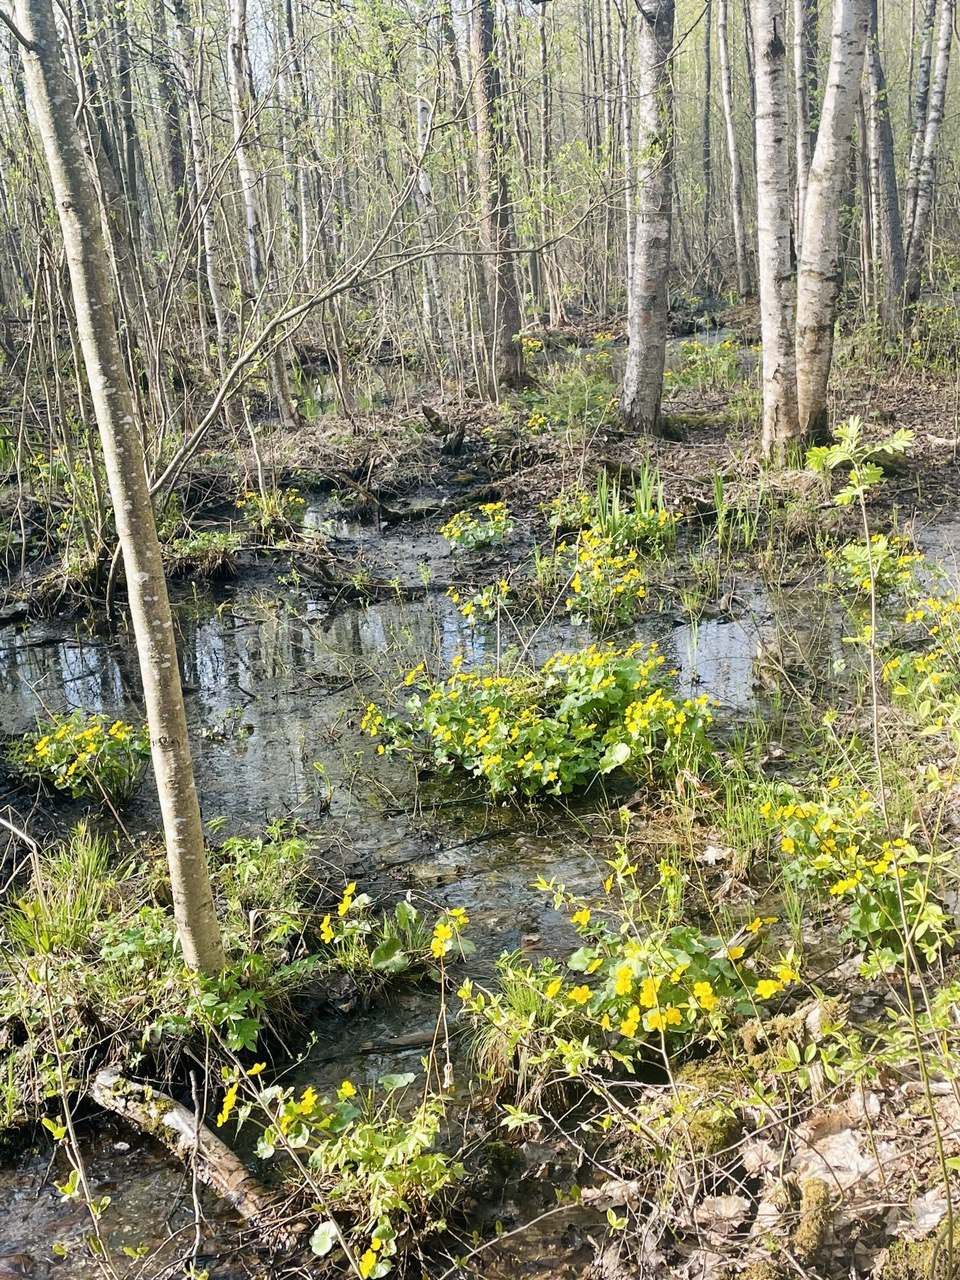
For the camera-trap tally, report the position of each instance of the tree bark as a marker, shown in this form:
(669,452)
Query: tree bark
(781,426)
(927,175)
(921,103)
(258,263)
(54,102)
(819,274)
(649,299)
(733,154)
(805,40)
(504,321)
(891,264)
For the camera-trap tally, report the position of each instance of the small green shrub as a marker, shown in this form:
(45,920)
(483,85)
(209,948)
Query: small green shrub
(554,729)
(86,755)
(372,1157)
(490,525)
(887,566)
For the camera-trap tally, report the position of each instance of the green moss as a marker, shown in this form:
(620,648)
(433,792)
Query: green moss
(765,1270)
(816,1214)
(709,1092)
(915,1260)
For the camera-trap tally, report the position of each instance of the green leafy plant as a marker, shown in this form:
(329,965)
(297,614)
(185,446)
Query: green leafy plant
(371,1155)
(555,728)
(579,394)
(486,603)
(641,981)
(490,525)
(885,567)
(606,585)
(208,553)
(273,512)
(705,365)
(839,845)
(85,755)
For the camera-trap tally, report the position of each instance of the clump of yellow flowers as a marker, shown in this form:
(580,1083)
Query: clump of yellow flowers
(489,525)
(640,978)
(88,755)
(555,728)
(838,843)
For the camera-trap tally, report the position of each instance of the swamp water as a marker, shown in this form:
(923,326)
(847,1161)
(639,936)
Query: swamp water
(275,683)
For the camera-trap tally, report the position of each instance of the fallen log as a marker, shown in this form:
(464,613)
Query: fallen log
(191,1141)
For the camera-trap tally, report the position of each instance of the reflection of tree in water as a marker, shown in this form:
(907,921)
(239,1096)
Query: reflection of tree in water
(796,649)
(61,675)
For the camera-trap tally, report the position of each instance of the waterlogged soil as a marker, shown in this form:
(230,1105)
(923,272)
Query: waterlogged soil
(276,680)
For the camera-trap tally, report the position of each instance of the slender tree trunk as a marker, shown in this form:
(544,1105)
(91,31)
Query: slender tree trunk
(733,154)
(921,102)
(891,263)
(259,266)
(781,427)
(172,116)
(818,278)
(649,297)
(626,127)
(706,132)
(505,353)
(54,105)
(805,40)
(927,175)
(205,210)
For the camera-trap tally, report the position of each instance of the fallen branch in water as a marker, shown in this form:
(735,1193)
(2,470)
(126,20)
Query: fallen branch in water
(188,1138)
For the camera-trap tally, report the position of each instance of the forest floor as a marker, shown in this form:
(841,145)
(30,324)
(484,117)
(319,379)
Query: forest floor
(841,1163)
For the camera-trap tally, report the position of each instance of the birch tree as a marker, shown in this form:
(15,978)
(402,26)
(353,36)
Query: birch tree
(503,321)
(55,108)
(649,299)
(733,153)
(921,211)
(777,279)
(819,272)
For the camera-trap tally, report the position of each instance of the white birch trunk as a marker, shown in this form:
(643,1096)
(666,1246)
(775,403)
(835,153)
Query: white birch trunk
(239,88)
(818,277)
(926,179)
(54,103)
(733,154)
(777,279)
(648,312)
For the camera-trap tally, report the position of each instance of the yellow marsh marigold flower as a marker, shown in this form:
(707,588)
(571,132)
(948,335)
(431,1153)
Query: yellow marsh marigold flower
(582,916)
(580,995)
(648,992)
(660,1019)
(767,987)
(347,902)
(704,994)
(624,980)
(631,1023)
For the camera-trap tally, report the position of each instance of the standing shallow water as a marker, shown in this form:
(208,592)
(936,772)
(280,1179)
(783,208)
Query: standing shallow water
(275,685)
